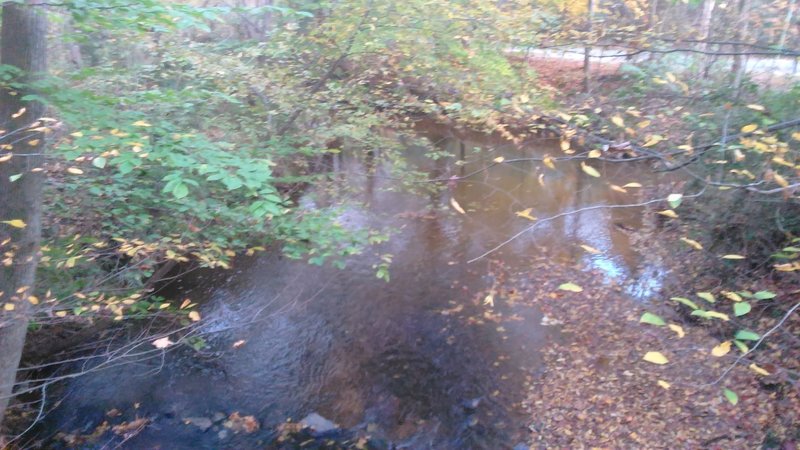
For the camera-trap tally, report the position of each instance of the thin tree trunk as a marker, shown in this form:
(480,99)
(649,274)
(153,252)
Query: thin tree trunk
(23,45)
(587,51)
(739,61)
(705,33)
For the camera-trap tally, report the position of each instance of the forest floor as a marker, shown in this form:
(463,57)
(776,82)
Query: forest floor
(596,390)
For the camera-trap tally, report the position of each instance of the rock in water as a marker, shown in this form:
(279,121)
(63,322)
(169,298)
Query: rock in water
(204,423)
(318,424)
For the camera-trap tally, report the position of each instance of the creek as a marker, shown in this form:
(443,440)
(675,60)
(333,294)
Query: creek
(425,360)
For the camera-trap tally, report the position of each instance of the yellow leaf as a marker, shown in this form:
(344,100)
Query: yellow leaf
(755,107)
(653,140)
(732,296)
(16,223)
(18,113)
(195,316)
(76,134)
(571,287)
(591,250)
(669,213)
(722,349)
(548,161)
(718,315)
(185,303)
(9,307)
(595,154)
(565,144)
(33,142)
(749,128)
(780,180)
(614,187)
(589,170)
(75,171)
(664,384)
(525,214)
(456,206)
(655,358)
(34,300)
(696,245)
(141,123)
(632,185)
(796,135)
(758,370)
(618,121)
(677,329)
(6,157)
(733,257)
(489,300)
(499,159)
(643,124)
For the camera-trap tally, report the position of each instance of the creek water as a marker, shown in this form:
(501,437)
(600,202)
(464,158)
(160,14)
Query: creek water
(424,360)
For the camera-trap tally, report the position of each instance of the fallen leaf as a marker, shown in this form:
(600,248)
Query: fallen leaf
(721,349)
(668,213)
(591,250)
(195,316)
(749,128)
(758,370)
(677,329)
(655,358)
(163,342)
(525,214)
(664,384)
(571,287)
(694,244)
(456,206)
(589,170)
(16,223)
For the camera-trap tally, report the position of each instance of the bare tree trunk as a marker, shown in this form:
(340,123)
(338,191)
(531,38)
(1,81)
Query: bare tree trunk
(705,33)
(23,45)
(587,51)
(742,30)
(787,23)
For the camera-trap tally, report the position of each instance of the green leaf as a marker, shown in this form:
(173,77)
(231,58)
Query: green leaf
(764,295)
(747,335)
(741,346)
(741,308)
(731,396)
(99,162)
(707,296)
(14,178)
(571,287)
(652,319)
(180,190)
(686,302)
(675,200)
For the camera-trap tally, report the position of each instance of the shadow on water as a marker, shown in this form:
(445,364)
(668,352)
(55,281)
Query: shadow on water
(424,360)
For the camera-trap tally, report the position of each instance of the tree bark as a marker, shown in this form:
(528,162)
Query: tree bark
(22,45)
(587,51)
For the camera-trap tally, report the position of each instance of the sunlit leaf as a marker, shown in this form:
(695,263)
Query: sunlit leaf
(548,161)
(732,296)
(686,302)
(456,206)
(663,384)
(749,128)
(755,107)
(614,187)
(595,154)
(162,343)
(741,308)
(499,159)
(589,170)
(677,329)
(632,185)
(652,319)
(16,223)
(195,316)
(755,368)
(655,358)
(733,257)
(75,171)
(675,200)
(731,396)
(721,349)
(746,335)
(590,249)
(668,213)
(525,214)
(764,295)
(618,121)
(694,244)
(571,287)
(707,296)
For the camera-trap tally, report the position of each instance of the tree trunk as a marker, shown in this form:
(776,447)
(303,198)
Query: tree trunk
(587,51)
(705,34)
(23,45)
